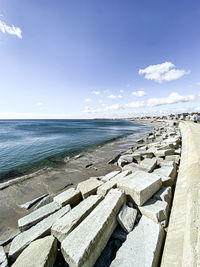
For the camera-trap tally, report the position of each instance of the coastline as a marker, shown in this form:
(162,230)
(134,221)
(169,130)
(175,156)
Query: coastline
(53,180)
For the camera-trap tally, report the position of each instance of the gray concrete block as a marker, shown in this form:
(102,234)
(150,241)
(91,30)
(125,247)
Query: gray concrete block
(109,176)
(142,247)
(70,196)
(126,218)
(89,187)
(149,164)
(66,224)
(83,246)
(3,258)
(164,194)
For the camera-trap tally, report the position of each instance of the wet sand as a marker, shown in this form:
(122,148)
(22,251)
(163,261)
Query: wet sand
(53,180)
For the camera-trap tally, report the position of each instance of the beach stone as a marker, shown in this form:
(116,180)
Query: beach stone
(109,176)
(29,204)
(155,210)
(37,215)
(140,186)
(175,158)
(41,229)
(104,188)
(142,247)
(44,202)
(70,196)
(63,226)
(126,218)
(89,187)
(164,194)
(149,164)
(41,252)
(167,174)
(133,167)
(83,246)
(3,258)
(124,159)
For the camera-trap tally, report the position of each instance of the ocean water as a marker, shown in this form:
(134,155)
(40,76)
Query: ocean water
(28,145)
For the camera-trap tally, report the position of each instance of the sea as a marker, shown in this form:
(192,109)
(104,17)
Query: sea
(29,145)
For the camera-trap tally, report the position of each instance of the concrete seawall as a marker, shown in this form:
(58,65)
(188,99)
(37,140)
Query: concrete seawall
(182,246)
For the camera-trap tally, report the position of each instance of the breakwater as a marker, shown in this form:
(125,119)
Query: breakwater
(118,219)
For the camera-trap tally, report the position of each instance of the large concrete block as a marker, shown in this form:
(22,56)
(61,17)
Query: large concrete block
(41,252)
(140,186)
(142,247)
(83,246)
(155,210)
(70,196)
(89,187)
(3,258)
(149,164)
(133,167)
(164,194)
(175,158)
(124,159)
(109,176)
(164,152)
(62,227)
(126,218)
(37,215)
(41,229)
(167,174)
(103,189)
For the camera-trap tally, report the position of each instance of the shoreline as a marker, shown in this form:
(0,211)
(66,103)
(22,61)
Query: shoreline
(53,180)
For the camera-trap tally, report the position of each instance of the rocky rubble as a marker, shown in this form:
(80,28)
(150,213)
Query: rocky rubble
(116,220)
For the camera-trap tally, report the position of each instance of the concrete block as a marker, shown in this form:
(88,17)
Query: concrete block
(164,152)
(126,218)
(41,229)
(109,176)
(175,158)
(164,194)
(133,167)
(41,252)
(37,215)
(63,226)
(83,246)
(103,189)
(149,164)
(44,201)
(142,247)
(124,159)
(155,210)
(140,186)
(70,196)
(167,174)
(3,258)
(89,187)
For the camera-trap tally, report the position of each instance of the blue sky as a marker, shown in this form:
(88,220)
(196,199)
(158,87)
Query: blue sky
(88,59)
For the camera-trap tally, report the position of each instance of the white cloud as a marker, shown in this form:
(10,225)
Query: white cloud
(39,103)
(105,108)
(88,100)
(10,29)
(96,92)
(100,101)
(106,91)
(114,96)
(162,72)
(139,93)
(121,91)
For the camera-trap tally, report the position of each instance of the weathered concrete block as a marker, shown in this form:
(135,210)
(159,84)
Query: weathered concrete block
(3,258)
(41,229)
(175,158)
(155,210)
(167,174)
(124,159)
(109,176)
(164,152)
(37,215)
(165,163)
(44,201)
(103,189)
(142,247)
(133,167)
(62,227)
(126,218)
(149,164)
(164,194)
(89,187)
(140,186)
(70,196)
(29,204)
(41,252)
(83,245)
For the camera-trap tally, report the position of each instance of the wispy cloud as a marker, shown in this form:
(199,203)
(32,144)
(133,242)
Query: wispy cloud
(162,72)
(94,92)
(39,103)
(10,29)
(121,91)
(88,100)
(139,93)
(115,96)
